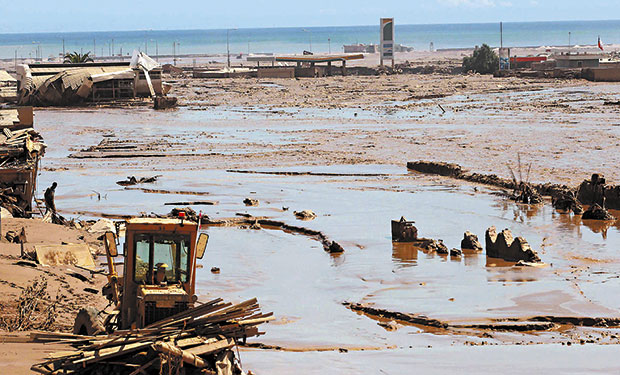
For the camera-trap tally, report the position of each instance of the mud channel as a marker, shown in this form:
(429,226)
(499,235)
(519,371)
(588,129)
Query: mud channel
(352,173)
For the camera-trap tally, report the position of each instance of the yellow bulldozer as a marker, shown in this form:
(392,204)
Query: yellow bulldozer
(159,275)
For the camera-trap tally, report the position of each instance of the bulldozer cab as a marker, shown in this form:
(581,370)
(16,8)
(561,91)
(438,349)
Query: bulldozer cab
(159,269)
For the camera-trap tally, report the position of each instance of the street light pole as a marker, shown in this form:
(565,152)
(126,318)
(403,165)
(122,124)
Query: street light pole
(309,38)
(329,44)
(228,46)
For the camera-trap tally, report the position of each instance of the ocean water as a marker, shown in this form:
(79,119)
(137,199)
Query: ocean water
(295,40)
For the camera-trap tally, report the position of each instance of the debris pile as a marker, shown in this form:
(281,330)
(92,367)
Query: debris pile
(596,190)
(196,341)
(20,151)
(504,246)
(404,231)
(596,212)
(470,242)
(567,201)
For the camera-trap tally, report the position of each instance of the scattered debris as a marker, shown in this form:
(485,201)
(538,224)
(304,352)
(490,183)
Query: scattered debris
(132,180)
(250,202)
(470,242)
(404,231)
(35,309)
(504,246)
(596,212)
(305,215)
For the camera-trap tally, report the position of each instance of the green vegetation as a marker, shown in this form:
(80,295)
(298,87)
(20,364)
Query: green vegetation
(483,61)
(76,58)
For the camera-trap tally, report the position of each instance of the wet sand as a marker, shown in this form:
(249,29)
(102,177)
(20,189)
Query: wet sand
(356,145)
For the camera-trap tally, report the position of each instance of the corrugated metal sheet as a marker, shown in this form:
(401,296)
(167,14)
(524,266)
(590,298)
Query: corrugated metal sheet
(55,70)
(4,76)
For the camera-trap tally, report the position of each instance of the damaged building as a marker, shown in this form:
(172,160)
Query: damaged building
(21,148)
(71,84)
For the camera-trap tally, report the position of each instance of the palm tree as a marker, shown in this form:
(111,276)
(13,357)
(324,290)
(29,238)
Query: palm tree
(76,58)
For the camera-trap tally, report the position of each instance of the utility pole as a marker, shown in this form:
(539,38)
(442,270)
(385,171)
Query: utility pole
(501,35)
(63,48)
(94,47)
(228,46)
(569,42)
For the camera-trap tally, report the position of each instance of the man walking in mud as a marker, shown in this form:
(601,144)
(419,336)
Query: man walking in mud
(49,199)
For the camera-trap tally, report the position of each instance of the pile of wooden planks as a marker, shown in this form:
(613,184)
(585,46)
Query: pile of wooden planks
(197,341)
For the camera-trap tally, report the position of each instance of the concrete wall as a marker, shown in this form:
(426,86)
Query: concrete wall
(602,74)
(276,72)
(569,63)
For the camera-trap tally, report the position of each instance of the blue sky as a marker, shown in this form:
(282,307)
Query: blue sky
(111,15)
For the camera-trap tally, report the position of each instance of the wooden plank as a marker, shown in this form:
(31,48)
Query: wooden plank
(211,347)
(102,354)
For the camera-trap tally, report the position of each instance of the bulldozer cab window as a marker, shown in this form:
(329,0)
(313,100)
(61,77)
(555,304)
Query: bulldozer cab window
(142,272)
(168,252)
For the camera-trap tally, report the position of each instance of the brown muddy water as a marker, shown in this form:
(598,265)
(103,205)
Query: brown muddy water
(305,287)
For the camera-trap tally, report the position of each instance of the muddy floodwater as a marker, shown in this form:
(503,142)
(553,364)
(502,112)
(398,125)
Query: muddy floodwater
(305,287)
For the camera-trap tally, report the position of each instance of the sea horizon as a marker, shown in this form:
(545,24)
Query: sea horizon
(49,45)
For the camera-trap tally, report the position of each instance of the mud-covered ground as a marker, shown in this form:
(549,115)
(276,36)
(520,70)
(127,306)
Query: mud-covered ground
(345,142)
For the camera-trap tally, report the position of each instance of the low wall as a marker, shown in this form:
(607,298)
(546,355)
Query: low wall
(602,74)
(276,72)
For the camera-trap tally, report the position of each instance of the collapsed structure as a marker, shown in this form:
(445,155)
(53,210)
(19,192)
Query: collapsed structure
(21,148)
(505,246)
(70,84)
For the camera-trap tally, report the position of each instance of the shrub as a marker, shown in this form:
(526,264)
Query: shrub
(483,61)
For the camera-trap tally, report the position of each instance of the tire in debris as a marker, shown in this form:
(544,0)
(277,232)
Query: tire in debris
(87,322)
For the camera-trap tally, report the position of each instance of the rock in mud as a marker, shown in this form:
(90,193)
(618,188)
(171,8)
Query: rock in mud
(596,212)
(335,247)
(437,246)
(470,242)
(250,202)
(504,246)
(305,215)
(404,231)
(456,252)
